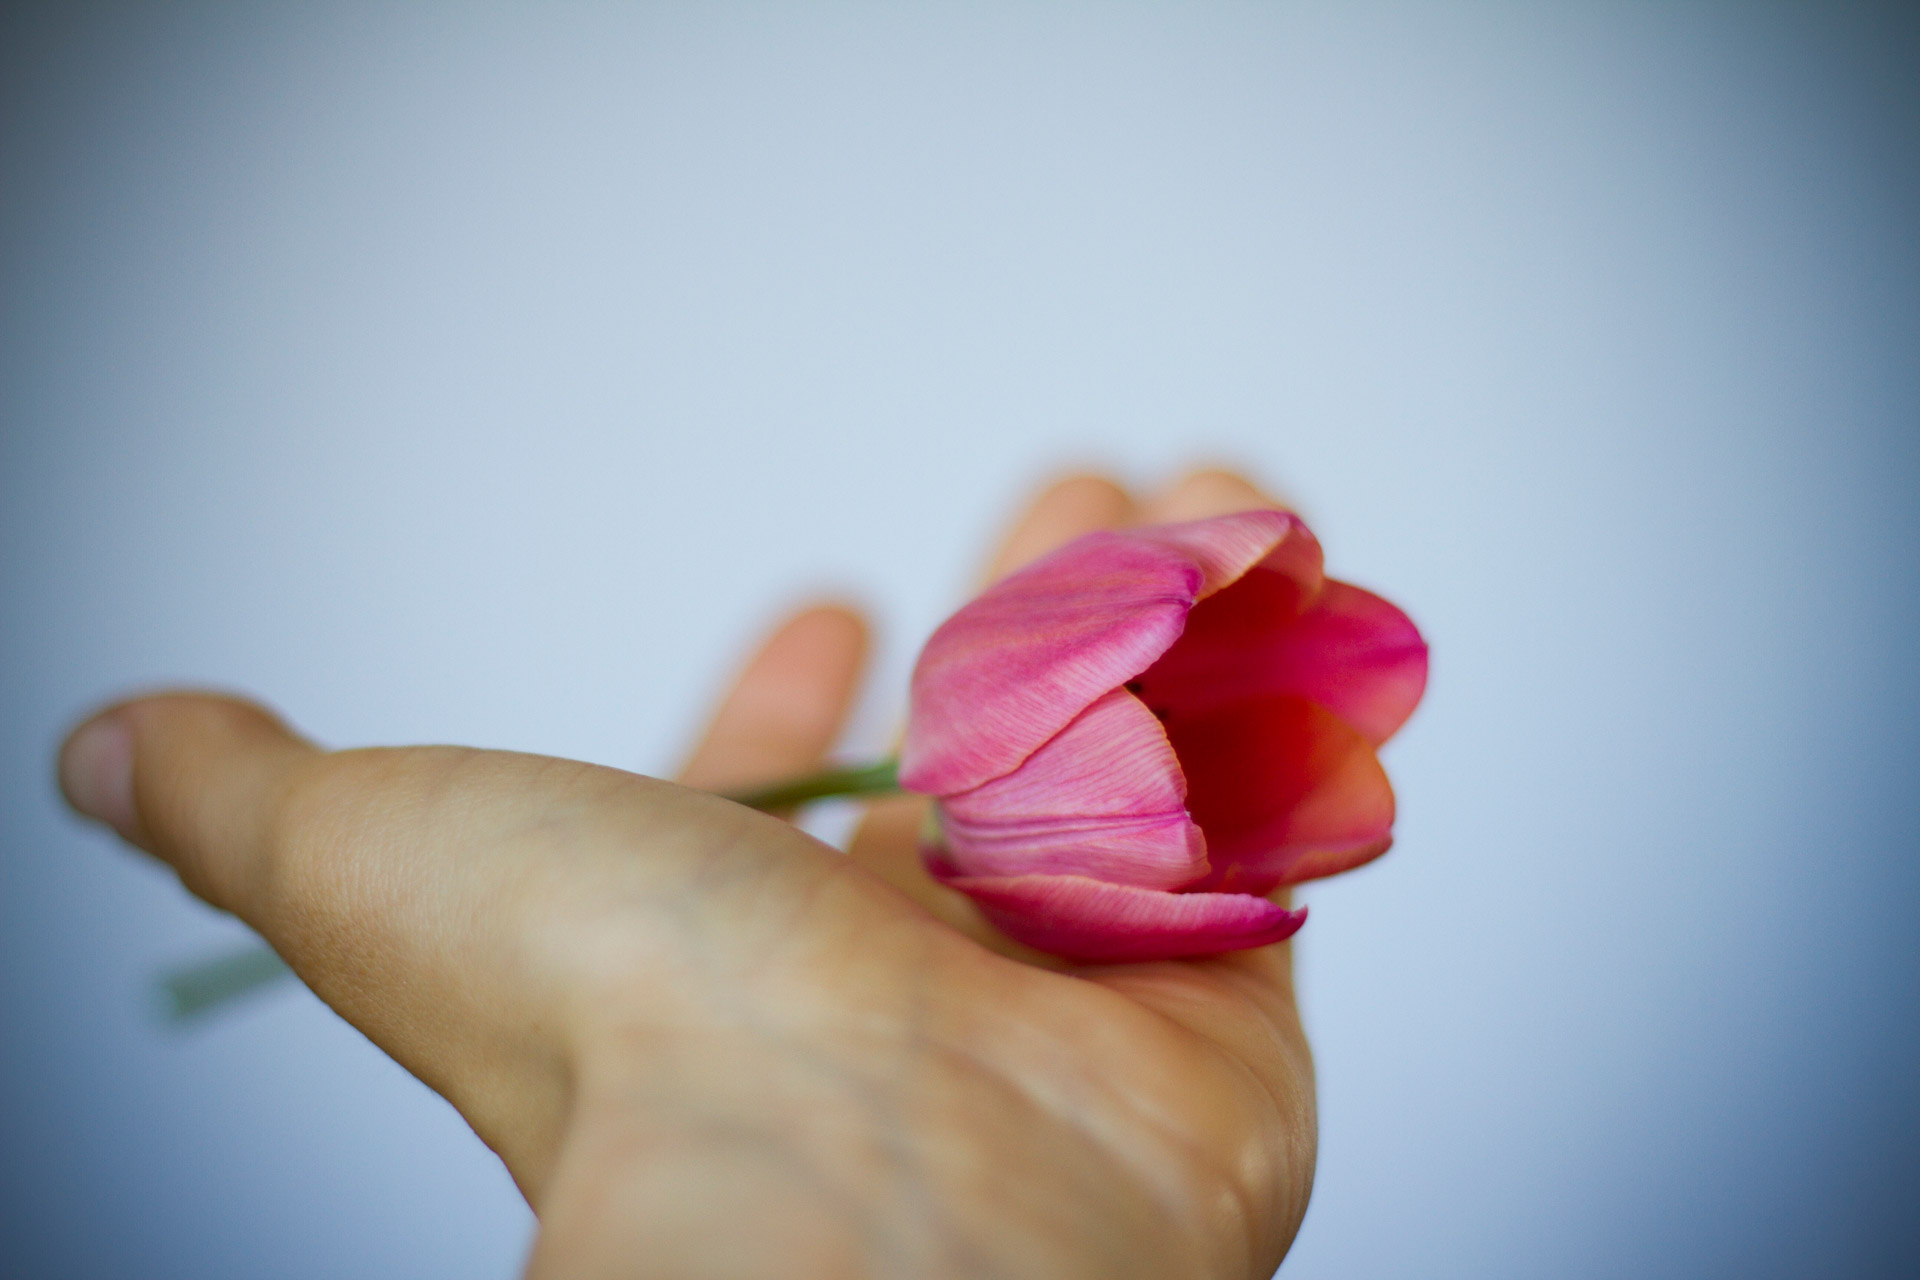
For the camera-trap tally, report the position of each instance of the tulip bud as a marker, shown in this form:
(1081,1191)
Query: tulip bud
(1137,738)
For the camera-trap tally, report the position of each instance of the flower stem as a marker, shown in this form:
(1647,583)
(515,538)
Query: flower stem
(196,989)
(862,780)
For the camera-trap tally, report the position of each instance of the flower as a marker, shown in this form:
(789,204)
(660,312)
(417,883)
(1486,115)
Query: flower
(1137,738)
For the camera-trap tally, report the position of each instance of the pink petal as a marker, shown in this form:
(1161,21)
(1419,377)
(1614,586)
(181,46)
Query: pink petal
(1284,790)
(1083,919)
(1337,645)
(1014,666)
(1225,547)
(1103,797)
(1161,851)
(1358,656)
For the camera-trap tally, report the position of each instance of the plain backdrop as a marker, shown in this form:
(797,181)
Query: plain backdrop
(495,374)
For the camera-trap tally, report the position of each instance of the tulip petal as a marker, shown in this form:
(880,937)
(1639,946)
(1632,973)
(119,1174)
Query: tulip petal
(1160,851)
(1344,648)
(1014,666)
(1225,547)
(1284,790)
(1356,655)
(1103,797)
(1084,919)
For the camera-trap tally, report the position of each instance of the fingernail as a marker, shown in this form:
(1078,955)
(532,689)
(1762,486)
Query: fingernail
(96,772)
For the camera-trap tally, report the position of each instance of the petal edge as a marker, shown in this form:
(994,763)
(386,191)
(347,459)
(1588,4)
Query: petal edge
(1091,920)
(1105,797)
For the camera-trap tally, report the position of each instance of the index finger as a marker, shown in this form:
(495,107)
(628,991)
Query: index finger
(1063,511)
(787,706)
(1208,491)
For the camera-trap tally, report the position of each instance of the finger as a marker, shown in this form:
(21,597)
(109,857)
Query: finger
(788,706)
(395,883)
(1063,511)
(887,840)
(1206,492)
(190,779)
(317,852)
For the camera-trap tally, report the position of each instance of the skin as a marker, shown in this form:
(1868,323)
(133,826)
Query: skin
(707,1045)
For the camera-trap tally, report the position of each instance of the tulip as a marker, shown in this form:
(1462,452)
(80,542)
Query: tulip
(1135,740)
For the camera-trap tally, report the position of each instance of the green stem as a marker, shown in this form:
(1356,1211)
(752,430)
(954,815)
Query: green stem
(865,780)
(196,989)
(193,990)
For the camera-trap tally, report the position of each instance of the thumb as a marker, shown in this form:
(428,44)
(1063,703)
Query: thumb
(371,872)
(194,780)
(480,915)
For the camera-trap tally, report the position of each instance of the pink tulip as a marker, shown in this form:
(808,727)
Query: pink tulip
(1137,738)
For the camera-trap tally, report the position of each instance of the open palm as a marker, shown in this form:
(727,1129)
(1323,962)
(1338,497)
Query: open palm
(706,1044)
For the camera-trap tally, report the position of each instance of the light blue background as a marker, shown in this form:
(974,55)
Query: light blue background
(493,375)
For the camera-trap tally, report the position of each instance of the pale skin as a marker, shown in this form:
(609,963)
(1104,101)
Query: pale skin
(707,1045)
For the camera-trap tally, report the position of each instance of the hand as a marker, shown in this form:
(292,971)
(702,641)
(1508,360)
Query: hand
(706,1044)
